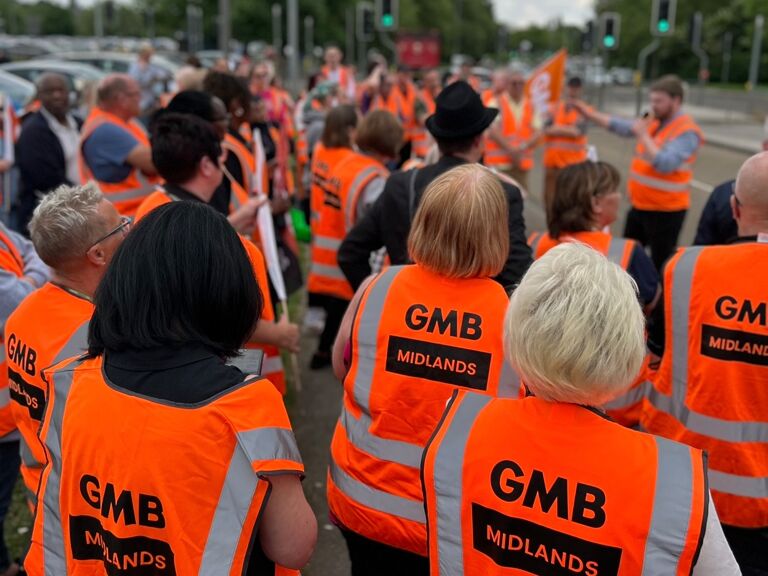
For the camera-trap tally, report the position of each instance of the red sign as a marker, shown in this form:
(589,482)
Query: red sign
(418,51)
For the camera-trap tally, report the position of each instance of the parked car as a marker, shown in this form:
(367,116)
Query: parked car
(78,75)
(109,62)
(20,91)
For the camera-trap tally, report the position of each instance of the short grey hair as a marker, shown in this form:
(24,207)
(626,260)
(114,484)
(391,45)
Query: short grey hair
(110,86)
(574,330)
(66,222)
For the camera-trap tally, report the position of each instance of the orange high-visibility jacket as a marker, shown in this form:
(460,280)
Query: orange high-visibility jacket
(650,189)
(562,151)
(534,487)
(12,263)
(272,367)
(394,103)
(710,390)
(417,336)
(338,214)
(245,157)
(515,134)
(626,408)
(49,326)
(128,194)
(135,484)
(324,160)
(422,141)
(408,111)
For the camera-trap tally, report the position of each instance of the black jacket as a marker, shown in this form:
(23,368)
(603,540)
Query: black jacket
(41,164)
(388,223)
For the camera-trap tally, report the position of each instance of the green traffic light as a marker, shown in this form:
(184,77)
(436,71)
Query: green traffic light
(663,26)
(387,20)
(609,41)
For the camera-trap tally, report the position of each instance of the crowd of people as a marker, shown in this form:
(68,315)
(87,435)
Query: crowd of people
(561,401)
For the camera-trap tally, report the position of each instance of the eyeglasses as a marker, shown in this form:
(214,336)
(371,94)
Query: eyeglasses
(124,226)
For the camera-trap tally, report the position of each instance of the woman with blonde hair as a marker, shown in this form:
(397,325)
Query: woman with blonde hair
(547,484)
(410,337)
(585,204)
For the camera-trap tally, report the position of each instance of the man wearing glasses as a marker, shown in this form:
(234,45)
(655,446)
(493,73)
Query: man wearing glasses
(710,391)
(115,149)
(76,231)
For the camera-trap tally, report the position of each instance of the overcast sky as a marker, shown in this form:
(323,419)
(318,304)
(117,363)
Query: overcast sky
(521,13)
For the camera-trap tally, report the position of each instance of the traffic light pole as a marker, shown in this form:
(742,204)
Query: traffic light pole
(385,39)
(642,58)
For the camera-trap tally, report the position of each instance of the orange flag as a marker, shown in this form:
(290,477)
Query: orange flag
(546,82)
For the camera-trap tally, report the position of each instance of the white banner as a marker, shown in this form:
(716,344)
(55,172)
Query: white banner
(9,129)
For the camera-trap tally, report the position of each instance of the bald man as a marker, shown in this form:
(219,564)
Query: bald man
(711,390)
(46,152)
(114,147)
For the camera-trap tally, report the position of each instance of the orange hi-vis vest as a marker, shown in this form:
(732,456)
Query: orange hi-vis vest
(272,366)
(534,487)
(324,160)
(626,408)
(650,189)
(49,326)
(421,140)
(394,104)
(516,134)
(128,194)
(562,151)
(417,336)
(710,390)
(136,485)
(348,180)
(12,263)
(408,99)
(344,76)
(246,159)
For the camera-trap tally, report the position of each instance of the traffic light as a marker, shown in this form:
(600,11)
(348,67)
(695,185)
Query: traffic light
(663,17)
(365,22)
(610,27)
(386,15)
(588,37)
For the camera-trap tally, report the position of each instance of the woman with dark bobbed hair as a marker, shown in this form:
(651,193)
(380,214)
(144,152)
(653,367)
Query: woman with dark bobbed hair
(159,453)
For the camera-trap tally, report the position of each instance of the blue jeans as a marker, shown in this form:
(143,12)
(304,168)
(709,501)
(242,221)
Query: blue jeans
(9,472)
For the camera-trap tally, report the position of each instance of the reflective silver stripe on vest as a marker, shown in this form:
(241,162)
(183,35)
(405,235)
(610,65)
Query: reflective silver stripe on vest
(272,364)
(631,397)
(745,486)
(509,384)
(53,549)
(398,451)
(672,508)
(717,428)
(5,397)
(145,189)
(333,272)
(616,249)
(31,496)
(376,499)
(447,484)
(565,146)
(358,185)
(27,457)
(658,183)
(76,345)
(326,243)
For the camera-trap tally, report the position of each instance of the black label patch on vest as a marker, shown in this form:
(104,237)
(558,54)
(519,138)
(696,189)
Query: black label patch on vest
(31,397)
(734,345)
(134,556)
(438,362)
(516,543)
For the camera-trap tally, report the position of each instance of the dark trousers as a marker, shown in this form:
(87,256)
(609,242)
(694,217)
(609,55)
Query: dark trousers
(658,231)
(9,472)
(370,558)
(334,313)
(750,547)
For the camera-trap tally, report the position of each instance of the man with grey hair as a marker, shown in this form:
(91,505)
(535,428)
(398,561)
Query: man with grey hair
(710,391)
(46,152)
(115,147)
(76,231)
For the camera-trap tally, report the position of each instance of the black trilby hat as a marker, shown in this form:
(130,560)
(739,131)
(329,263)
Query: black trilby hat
(459,113)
